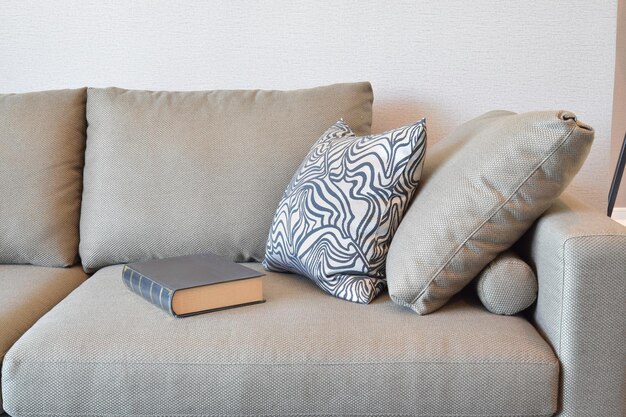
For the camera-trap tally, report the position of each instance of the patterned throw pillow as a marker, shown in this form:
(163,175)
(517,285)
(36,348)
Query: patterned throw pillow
(336,219)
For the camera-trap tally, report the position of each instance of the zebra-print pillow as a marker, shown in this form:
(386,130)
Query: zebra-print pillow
(336,219)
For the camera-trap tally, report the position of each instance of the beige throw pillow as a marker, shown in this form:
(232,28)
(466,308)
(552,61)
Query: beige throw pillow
(484,186)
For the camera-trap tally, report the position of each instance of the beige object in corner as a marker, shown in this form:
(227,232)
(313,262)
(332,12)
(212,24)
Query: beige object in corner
(42,145)
(484,186)
(507,285)
(176,173)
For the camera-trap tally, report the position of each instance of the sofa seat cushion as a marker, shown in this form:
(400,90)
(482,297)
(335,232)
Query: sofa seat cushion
(105,351)
(27,293)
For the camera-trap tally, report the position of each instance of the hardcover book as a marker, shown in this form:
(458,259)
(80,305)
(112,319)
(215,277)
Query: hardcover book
(188,285)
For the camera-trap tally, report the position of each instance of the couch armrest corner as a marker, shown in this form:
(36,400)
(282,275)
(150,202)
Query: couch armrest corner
(579,256)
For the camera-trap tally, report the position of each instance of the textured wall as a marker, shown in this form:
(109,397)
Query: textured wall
(446,60)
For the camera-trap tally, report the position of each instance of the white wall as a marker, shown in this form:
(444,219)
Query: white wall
(447,60)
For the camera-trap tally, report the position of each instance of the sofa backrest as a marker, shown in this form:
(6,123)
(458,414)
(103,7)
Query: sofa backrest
(172,173)
(42,143)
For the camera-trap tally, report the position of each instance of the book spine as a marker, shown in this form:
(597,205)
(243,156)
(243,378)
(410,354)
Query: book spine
(148,289)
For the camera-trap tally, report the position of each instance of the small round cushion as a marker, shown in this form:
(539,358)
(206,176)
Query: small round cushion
(507,285)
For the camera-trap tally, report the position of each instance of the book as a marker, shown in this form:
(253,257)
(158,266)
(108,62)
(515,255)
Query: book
(194,284)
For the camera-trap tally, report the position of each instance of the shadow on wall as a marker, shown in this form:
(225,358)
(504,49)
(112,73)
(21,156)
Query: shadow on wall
(392,114)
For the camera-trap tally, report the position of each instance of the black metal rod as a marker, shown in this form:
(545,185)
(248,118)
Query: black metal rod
(617,178)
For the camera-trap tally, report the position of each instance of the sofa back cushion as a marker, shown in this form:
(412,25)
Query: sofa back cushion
(174,173)
(42,144)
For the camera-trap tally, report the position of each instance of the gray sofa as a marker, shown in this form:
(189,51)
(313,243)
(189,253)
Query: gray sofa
(103,351)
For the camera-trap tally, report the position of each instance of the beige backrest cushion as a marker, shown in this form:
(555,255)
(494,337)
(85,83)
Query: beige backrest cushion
(42,144)
(484,185)
(173,173)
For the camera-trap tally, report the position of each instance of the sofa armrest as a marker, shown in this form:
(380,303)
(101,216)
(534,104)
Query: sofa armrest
(579,256)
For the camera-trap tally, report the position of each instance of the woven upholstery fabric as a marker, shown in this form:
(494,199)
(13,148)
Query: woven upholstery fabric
(507,285)
(303,352)
(483,187)
(342,207)
(27,293)
(580,258)
(176,173)
(42,144)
